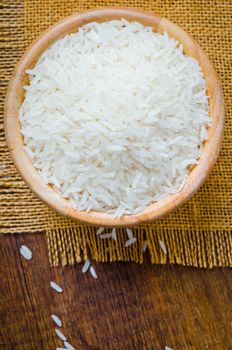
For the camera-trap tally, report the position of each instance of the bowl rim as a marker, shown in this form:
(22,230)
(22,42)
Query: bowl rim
(14,99)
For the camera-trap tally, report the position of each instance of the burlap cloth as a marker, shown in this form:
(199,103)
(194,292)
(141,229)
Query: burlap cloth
(199,233)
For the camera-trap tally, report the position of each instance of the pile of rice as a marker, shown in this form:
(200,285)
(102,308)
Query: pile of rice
(114,116)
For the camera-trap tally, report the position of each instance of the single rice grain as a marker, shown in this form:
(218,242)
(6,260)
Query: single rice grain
(60,334)
(163,247)
(130,241)
(129,233)
(93,272)
(86,266)
(68,346)
(114,234)
(56,287)
(100,230)
(56,320)
(26,252)
(106,235)
(145,246)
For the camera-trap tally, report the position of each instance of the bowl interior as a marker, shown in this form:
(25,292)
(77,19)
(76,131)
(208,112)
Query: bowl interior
(15,98)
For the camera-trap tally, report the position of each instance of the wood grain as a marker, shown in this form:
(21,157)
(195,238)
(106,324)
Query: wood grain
(16,94)
(128,307)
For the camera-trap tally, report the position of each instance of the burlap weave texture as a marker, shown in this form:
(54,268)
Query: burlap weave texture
(197,234)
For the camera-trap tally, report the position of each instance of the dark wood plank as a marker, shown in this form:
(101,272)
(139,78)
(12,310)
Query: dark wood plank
(128,307)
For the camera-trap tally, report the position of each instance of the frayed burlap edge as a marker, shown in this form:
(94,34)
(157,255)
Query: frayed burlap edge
(189,248)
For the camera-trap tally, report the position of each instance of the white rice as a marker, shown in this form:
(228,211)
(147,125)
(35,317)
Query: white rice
(114,116)
(56,287)
(60,334)
(100,230)
(93,272)
(26,252)
(129,233)
(56,320)
(114,234)
(145,246)
(68,346)
(86,266)
(130,241)
(163,247)
(167,348)
(106,235)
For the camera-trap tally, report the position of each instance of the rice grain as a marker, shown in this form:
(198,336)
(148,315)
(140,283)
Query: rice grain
(56,320)
(114,234)
(100,230)
(68,346)
(129,233)
(114,117)
(86,266)
(145,246)
(106,235)
(60,334)
(56,287)
(130,241)
(93,272)
(26,252)
(163,247)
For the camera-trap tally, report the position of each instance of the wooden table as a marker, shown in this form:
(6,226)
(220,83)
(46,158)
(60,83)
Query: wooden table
(128,307)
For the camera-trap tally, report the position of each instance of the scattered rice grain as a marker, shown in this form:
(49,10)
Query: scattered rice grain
(114,234)
(106,235)
(68,346)
(56,320)
(130,241)
(86,266)
(129,233)
(145,246)
(60,335)
(163,247)
(100,230)
(26,252)
(93,272)
(56,287)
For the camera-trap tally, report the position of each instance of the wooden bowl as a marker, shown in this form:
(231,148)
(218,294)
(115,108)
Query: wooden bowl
(15,98)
